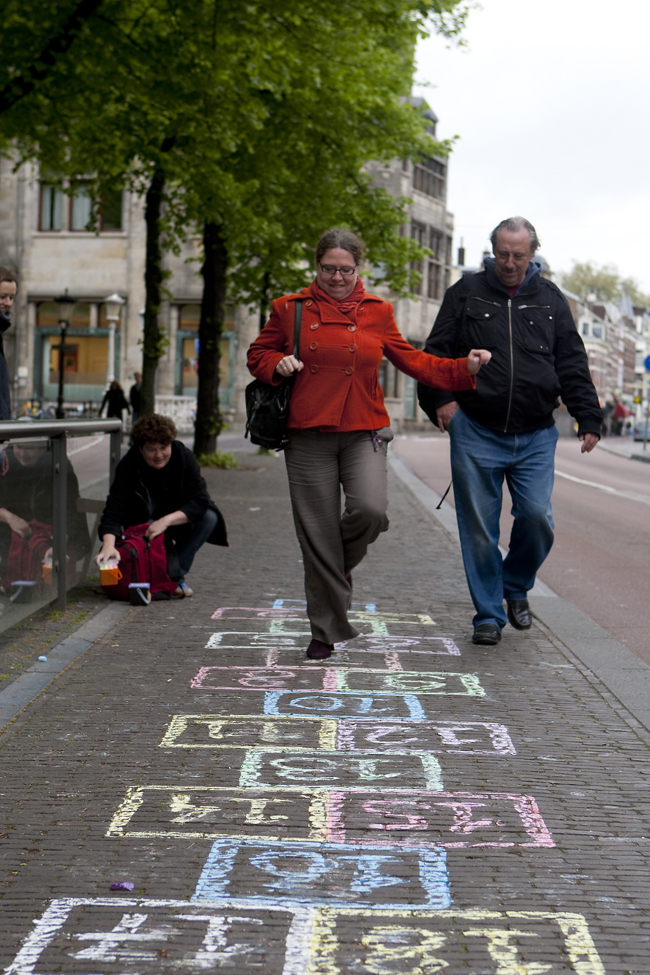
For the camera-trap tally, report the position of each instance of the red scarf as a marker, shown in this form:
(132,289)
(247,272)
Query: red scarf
(346,305)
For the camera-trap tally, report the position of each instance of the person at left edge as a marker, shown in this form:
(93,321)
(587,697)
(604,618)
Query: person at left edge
(159,481)
(338,427)
(8,289)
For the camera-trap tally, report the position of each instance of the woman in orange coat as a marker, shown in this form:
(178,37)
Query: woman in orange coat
(338,426)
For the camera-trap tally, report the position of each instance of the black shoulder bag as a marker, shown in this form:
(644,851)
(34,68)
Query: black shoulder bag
(267,406)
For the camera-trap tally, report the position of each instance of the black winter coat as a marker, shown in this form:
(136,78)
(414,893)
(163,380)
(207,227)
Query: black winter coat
(140,493)
(537,356)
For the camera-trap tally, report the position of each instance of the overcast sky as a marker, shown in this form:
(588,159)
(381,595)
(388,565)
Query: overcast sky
(551,105)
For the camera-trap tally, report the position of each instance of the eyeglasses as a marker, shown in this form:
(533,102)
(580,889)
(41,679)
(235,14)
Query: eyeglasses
(330,270)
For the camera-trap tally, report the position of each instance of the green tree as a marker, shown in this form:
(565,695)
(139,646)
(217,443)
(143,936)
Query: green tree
(251,121)
(602,283)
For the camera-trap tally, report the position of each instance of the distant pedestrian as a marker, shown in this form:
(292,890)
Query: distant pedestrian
(338,426)
(134,395)
(115,402)
(619,415)
(8,289)
(505,428)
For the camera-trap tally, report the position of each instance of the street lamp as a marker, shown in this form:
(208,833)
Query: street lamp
(113,305)
(66,307)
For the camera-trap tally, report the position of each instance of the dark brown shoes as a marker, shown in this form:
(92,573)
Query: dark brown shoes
(317,650)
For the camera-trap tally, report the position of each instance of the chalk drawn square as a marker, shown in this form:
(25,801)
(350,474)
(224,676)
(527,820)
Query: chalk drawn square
(246,731)
(212,811)
(279,769)
(452,737)
(328,875)
(447,819)
(463,942)
(153,937)
(395,706)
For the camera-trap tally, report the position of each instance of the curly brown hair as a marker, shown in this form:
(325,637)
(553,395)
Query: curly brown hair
(153,428)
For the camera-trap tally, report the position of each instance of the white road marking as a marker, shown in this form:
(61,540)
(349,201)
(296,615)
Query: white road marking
(630,495)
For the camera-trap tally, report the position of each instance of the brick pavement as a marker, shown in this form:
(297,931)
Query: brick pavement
(415,805)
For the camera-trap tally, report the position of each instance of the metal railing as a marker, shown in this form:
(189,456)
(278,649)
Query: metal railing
(58,432)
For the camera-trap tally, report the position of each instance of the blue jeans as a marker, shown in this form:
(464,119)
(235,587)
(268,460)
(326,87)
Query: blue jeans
(192,540)
(480,459)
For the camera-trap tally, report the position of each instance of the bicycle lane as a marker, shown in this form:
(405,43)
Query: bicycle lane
(415,804)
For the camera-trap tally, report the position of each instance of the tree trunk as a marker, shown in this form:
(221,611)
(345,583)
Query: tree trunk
(153,339)
(209,420)
(264,302)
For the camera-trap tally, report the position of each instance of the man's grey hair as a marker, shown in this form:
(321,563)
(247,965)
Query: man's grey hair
(514,225)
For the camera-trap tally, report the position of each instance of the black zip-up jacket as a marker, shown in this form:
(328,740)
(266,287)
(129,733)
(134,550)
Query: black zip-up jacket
(140,493)
(537,355)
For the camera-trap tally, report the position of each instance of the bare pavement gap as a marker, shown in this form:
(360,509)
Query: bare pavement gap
(366,816)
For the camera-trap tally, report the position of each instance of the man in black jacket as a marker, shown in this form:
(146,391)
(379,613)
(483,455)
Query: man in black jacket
(159,481)
(505,428)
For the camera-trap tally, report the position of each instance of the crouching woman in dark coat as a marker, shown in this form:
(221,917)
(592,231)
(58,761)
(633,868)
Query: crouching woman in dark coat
(159,481)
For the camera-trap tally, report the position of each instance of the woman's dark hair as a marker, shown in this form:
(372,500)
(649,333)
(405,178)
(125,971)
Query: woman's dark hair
(153,428)
(344,239)
(116,385)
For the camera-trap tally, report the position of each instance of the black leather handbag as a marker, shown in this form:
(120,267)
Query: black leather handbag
(267,406)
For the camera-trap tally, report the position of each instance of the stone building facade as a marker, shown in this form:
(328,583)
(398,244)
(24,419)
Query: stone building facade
(45,237)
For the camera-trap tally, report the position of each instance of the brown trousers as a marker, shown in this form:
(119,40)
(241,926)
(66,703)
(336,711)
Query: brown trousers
(332,544)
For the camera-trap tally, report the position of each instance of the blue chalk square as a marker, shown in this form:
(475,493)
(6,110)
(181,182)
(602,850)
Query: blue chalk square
(329,874)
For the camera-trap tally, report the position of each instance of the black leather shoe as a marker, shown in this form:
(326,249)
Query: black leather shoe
(487,635)
(317,650)
(519,614)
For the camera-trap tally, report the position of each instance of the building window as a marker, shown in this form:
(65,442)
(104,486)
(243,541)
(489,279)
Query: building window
(419,235)
(584,328)
(81,207)
(597,331)
(429,176)
(51,207)
(110,211)
(434,281)
(435,268)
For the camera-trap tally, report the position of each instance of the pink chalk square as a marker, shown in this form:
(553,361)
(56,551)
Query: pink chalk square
(425,819)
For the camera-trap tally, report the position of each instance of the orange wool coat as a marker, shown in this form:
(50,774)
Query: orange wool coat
(339,390)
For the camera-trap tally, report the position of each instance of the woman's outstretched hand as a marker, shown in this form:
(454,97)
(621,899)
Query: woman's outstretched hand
(476,359)
(290,364)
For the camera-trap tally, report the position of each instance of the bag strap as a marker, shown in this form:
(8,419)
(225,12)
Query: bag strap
(297,319)
(466,285)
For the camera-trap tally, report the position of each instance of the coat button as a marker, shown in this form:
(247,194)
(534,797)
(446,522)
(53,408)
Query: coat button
(353,348)
(308,303)
(352,328)
(349,370)
(314,326)
(314,345)
(487,314)
(314,368)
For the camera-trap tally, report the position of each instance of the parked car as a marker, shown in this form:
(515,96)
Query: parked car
(642,430)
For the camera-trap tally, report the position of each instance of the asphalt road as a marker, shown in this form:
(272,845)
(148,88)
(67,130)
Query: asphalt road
(600,561)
